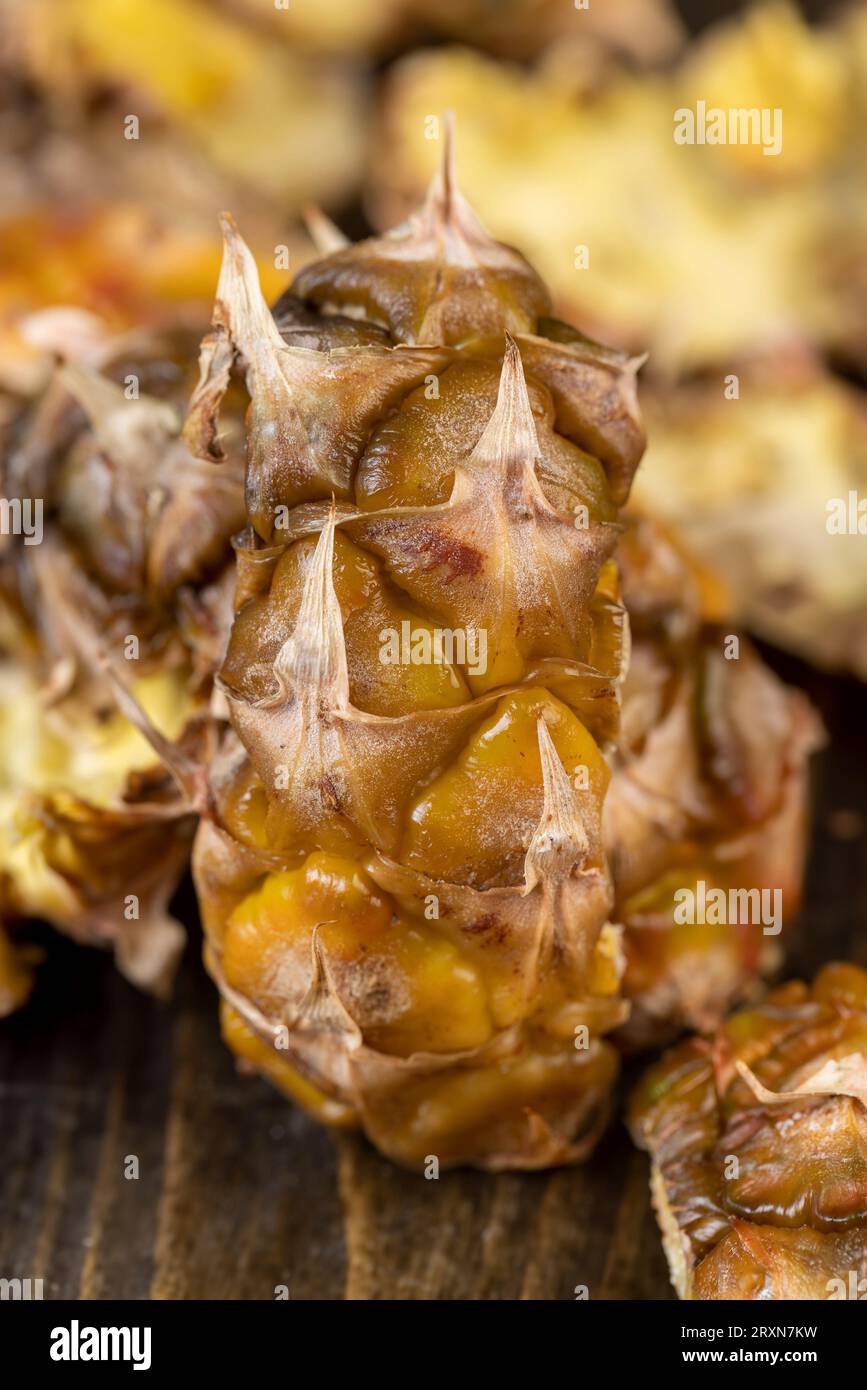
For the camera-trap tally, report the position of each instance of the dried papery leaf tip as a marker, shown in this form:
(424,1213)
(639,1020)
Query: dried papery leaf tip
(325,234)
(446,215)
(560,842)
(510,435)
(190,776)
(321,1010)
(241,324)
(846,1076)
(447,172)
(116,420)
(314,657)
(629,386)
(443,186)
(239,294)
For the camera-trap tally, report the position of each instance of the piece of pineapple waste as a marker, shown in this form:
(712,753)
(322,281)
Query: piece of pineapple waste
(94,835)
(71,285)
(259,115)
(798,452)
(402,880)
(758,1140)
(709,792)
(135,560)
(128,576)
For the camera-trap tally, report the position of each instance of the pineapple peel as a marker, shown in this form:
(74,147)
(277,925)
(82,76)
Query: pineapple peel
(758,1138)
(709,785)
(461,281)
(95,833)
(402,878)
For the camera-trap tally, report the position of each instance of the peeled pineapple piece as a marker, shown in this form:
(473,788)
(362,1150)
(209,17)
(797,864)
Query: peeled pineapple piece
(770,59)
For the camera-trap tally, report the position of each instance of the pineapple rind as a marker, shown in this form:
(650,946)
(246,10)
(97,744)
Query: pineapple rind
(710,785)
(758,1138)
(405,894)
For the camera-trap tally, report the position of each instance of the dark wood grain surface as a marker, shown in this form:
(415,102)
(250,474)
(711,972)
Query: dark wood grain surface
(238,1192)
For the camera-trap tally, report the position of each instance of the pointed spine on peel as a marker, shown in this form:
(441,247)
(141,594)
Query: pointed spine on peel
(508,448)
(313,660)
(325,234)
(560,842)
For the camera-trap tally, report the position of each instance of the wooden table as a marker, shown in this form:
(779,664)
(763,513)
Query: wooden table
(238,1192)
